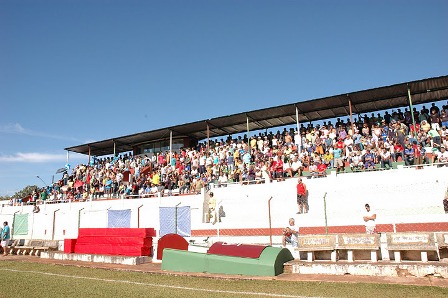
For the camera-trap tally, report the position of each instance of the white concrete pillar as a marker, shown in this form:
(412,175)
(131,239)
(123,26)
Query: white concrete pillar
(424,255)
(310,256)
(374,256)
(397,256)
(350,256)
(334,256)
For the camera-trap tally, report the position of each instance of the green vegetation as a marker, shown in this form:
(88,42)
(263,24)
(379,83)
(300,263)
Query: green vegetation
(26,192)
(25,279)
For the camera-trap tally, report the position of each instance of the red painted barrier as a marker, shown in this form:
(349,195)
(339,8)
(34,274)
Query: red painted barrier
(69,246)
(112,241)
(171,241)
(236,250)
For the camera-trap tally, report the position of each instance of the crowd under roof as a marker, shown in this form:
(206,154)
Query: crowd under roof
(366,101)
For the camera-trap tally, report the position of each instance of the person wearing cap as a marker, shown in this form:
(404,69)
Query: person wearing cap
(369,218)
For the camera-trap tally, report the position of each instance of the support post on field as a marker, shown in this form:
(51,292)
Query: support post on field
(54,223)
(218,218)
(79,217)
(270,223)
(138,215)
(325,212)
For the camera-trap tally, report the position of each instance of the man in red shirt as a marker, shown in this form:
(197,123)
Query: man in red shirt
(302,198)
(398,149)
(277,169)
(321,170)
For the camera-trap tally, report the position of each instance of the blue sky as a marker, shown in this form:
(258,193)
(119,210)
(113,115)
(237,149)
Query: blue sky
(75,71)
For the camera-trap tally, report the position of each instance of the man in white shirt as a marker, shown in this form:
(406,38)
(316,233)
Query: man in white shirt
(290,234)
(296,166)
(369,219)
(442,156)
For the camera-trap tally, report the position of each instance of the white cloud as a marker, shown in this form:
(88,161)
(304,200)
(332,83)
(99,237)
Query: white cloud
(12,128)
(16,128)
(34,157)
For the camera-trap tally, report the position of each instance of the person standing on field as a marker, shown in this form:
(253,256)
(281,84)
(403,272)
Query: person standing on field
(369,219)
(6,235)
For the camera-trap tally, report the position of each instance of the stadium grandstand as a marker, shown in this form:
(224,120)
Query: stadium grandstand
(385,146)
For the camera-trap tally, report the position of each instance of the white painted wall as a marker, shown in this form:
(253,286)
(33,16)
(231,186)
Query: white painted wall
(404,195)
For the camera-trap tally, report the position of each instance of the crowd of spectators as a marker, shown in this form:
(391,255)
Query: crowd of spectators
(372,142)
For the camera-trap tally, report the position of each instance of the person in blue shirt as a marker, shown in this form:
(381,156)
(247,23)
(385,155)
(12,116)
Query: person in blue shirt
(338,161)
(6,235)
(369,160)
(409,155)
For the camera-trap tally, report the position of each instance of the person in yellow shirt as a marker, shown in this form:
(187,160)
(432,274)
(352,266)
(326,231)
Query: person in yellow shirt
(328,159)
(212,208)
(236,156)
(156,178)
(253,142)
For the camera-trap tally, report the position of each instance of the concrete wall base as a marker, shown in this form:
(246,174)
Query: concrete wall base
(370,269)
(125,260)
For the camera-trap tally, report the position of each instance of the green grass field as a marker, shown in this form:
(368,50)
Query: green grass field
(25,279)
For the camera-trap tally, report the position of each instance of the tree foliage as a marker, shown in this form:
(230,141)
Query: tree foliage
(27,191)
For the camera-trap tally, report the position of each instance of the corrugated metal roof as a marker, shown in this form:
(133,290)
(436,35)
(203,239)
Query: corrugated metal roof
(388,97)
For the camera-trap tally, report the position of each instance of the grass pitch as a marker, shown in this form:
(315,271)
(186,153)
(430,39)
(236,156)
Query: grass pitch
(26,279)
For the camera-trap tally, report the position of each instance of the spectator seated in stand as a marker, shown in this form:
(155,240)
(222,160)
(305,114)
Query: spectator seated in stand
(321,170)
(313,171)
(356,163)
(369,160)
(442,156)
(409,155)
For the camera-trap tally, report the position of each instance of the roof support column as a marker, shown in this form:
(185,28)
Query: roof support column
(412,111)
(299,136)
(67,165)
(247,128)
(208,137)
(171,146)
(248,137)
(351,115)
(89,156)
(115,148)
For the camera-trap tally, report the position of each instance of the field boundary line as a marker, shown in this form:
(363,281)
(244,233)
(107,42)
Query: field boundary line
(157,285)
